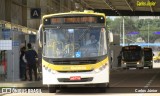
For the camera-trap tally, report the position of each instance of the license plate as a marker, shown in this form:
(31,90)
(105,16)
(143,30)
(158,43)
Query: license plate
(75,78)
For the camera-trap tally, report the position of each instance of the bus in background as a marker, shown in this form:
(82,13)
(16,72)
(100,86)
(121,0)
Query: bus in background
(148,57)
(132,56)
(74,50)
(156,59)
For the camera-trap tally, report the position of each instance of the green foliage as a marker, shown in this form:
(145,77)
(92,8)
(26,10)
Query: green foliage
(146,27)
(109,21)
(116,25)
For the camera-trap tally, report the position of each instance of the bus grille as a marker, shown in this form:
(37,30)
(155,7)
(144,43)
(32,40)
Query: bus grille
(76,71)
(75,62)
(131,63)
(68,80)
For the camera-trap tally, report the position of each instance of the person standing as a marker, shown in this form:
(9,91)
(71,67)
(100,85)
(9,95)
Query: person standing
(23,64)
(31,56)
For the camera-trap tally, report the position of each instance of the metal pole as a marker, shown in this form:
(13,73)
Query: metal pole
(148,34)
(123,33)
(120,33)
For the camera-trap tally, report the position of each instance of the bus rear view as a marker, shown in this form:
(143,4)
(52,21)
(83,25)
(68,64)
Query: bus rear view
(132,56)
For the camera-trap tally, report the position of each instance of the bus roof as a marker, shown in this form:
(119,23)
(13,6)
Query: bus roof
(147,49)
(131,46)
(89,12)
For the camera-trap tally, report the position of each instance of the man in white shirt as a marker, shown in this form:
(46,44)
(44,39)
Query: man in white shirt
(92,40)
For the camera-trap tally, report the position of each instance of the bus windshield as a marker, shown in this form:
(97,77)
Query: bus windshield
(148,55)
(75,43)
(133,55)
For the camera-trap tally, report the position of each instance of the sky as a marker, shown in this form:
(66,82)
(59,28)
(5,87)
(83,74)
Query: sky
(112,17)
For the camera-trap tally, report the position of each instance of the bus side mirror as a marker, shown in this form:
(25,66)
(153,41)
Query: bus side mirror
(110,36)
(39,36)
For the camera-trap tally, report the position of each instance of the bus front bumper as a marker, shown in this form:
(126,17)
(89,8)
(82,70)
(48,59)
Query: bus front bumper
(148,63)
(130,65)
(85,77)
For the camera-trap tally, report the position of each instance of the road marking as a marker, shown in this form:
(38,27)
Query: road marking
(149,83)
(114,85)
(151,80)
(119,82)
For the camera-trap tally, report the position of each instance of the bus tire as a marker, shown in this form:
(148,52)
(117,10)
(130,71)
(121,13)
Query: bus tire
(52,89)
(150,67)
(141,67)
(126,68)
(102,87)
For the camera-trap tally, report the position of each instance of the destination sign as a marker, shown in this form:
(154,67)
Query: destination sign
(74,20)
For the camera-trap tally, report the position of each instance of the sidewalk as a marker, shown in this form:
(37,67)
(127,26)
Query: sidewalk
(21,84)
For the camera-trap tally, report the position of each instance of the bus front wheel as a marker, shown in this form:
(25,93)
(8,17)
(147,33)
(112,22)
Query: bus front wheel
(52,89)
(141,68)
(102,87)
(151,67)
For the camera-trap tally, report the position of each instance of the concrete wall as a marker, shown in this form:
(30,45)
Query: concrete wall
(32,23)
(2,9)
(16,14)
(115,50)
(18,11)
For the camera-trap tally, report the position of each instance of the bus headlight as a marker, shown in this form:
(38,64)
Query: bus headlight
(139,62)
(49,69)
(52,71)
(97,70)
(45,67)
(123,62)
(100,68)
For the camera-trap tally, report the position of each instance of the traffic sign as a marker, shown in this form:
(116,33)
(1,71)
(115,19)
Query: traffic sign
(78,54)
(15,43)
(5,44)
(35,13)
(6,33)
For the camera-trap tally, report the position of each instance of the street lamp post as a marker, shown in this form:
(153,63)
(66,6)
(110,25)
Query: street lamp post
(123,33)
(148,34)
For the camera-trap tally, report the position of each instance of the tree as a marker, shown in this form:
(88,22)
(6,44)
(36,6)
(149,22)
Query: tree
(109,21)
(116,26)
(147,28)
(143,26)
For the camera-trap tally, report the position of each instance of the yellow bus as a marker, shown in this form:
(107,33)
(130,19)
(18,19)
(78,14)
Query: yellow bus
(74,50)
(156,59)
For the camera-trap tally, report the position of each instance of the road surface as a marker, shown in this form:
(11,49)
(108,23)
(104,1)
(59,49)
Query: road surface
(133,82)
